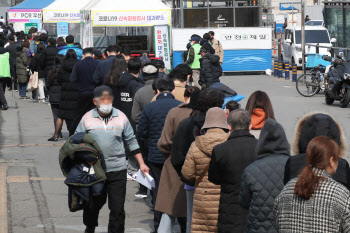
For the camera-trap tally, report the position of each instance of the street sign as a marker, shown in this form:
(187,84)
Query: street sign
(28,26)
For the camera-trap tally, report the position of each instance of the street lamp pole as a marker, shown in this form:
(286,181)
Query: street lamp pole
(303,34)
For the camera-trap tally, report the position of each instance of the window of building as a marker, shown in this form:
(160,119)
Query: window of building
(221,17)
(247,17)
(195,18)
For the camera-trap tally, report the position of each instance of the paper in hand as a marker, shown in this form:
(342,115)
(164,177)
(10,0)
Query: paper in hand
(146,181)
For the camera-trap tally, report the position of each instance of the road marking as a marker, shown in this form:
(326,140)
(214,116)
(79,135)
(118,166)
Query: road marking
(3,200)
(32,145)
(287,86)
(26,179)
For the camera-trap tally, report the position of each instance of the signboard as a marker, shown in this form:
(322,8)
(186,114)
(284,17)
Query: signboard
(230,38)
(62,29)
(28,26)
(55,16)
(130,18)
(37,21)
(162,44)
(24,15)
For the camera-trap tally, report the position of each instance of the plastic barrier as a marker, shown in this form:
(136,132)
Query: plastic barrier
(314,59)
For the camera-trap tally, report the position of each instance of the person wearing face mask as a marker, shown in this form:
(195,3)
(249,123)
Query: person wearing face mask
(193,57)
(314,202)
(109,126)
(217,46)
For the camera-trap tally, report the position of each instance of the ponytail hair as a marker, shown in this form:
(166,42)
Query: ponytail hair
(318,153)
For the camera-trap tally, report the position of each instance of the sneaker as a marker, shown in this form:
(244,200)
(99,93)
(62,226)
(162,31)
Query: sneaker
(131,176)
(89,230)
(41,101)
(141,194)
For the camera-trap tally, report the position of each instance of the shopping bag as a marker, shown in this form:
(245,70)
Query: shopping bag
(33,82)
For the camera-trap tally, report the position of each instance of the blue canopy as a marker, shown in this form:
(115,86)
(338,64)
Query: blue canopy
(33,4)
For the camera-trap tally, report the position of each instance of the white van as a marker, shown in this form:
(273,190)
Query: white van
(313,35)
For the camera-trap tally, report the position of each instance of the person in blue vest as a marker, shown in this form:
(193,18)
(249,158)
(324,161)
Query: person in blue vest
(70,45)
(193,57)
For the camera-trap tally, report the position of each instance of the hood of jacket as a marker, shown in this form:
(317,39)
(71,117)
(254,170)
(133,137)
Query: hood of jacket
(126,78)
(272,140)
(317,124)
(258,118)
(212,138)
(68,65)
(214,59)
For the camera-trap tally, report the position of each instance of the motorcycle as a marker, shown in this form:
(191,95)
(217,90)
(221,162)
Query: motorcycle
(337,85)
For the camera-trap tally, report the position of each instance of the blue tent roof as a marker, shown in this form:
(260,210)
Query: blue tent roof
(33,4)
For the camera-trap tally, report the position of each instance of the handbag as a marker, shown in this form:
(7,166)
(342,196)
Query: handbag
(33,82)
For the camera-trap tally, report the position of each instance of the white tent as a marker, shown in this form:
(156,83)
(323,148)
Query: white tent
(64,11)
(121,13)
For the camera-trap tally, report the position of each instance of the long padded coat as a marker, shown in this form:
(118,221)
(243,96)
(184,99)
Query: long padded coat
(262,180)
(207,195)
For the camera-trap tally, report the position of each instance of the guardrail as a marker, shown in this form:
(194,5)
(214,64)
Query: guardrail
(332,49)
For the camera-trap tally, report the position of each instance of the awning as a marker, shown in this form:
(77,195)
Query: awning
(115,13)
(64,11)
(28,10)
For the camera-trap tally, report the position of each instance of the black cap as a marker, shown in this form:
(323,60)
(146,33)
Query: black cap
(206,36)
(158,63)
(98,92)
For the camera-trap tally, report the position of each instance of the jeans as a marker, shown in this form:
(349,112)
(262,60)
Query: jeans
(167,224)
(155,172)
(22,90)
(115,189)
(3,83)
(41,92)
(189,198)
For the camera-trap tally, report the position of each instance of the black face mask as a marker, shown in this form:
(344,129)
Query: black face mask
(212,38)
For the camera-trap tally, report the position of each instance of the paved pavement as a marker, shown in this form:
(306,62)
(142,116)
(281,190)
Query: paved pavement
(33,197)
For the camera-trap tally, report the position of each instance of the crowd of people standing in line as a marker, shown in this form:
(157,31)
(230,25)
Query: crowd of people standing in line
(215,169)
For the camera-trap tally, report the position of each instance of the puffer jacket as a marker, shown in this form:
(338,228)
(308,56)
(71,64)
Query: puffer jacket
(54,86)
(211,70)
(206,197)
(69,91)
(68,157)
(21,65)
(151,123)
(47,59)
(124,94)
(227,165)
(309,127)
(34,65)
(262,181)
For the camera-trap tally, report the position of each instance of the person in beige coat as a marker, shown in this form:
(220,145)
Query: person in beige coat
(206,195)
(217,46)
(171,199)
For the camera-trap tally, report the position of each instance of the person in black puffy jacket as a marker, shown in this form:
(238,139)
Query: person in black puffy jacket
(68,105)
(150,126)
(262,181)
(47,58)
(55,90)
(309,127)
(210,68)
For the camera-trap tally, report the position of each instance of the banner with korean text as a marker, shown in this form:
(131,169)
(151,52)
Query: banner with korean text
(24,15)
(130,18)
(55,16)
(162,44)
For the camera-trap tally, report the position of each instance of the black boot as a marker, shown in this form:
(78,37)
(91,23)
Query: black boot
(5,107)
(90,230)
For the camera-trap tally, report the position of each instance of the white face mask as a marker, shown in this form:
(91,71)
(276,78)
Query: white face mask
(105,108)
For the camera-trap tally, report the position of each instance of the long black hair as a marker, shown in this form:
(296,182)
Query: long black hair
(118,68)
(58,62)
(71,54)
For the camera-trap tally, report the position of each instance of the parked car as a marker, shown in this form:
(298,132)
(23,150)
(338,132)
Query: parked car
(292,51)
(314,23)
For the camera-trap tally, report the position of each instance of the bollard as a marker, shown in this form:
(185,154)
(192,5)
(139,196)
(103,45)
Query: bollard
(275,70)
(286,70)
(294,72)
(274,48)
(280,70)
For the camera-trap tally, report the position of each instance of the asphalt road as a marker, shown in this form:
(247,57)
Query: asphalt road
(33,197)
